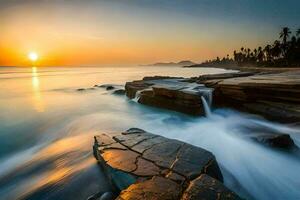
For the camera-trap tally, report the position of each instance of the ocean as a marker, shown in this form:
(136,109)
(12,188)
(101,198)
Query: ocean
(47,128)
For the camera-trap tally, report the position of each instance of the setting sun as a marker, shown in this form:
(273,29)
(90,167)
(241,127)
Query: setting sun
(33,56)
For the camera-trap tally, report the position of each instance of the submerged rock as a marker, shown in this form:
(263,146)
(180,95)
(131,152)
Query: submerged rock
(106,86)
(119,92)
(154,167)
(107,196)
(110,87)
(276,140)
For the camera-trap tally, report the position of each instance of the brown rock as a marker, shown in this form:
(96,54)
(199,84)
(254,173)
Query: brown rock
(276,96)
(172,94)
(192,161)
(163,154)
(158,188)
(132,87)
(175,177)
(146,168)
(160,168)
(124,160)
(207,188)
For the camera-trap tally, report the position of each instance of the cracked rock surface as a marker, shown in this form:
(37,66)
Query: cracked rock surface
(162,168)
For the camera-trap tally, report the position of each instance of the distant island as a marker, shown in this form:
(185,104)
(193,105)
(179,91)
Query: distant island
(181,63)
(282,53)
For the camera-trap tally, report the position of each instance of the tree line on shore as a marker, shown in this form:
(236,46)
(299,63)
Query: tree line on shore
(283,52)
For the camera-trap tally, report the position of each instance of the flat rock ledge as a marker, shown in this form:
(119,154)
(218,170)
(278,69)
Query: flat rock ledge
(141,165)
(273,95)
(169,93)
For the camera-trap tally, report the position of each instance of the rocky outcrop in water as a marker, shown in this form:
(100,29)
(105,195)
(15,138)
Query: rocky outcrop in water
(142,165)
(114,89)
(276,96)
(283,141)
(169,93)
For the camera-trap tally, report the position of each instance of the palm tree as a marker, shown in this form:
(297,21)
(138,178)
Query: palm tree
(284,34)
(276,50)
(260,55)
(267,51)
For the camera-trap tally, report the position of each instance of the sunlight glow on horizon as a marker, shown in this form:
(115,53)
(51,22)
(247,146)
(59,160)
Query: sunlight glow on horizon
(33,56)
(133,32)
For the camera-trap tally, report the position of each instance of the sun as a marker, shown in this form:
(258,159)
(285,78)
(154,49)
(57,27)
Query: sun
(33,56)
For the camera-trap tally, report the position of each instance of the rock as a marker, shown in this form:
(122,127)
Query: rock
(273,95)
(204,78)
(131,88)
(106,86)
(107,196)
(149,78)
(276,140)
(119,92)
(110,87)
(207,188)
(175,177)
(80,89)
(171,93)
(151,166)
(103,196)
(156,188)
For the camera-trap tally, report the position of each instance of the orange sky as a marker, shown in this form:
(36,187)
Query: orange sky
(100,33)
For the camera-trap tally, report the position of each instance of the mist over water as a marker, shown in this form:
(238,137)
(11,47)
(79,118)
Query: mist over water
(47,130)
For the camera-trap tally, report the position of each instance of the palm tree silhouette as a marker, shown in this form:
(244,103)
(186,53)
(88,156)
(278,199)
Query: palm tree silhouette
(284,34)
(267,51)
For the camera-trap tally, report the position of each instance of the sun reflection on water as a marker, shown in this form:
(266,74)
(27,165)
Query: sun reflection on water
(37,98)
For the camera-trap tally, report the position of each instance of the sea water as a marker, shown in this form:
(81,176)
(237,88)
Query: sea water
(47,129)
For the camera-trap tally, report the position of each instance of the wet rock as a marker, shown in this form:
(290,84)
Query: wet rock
(107,196)
(110,87)
(106,86)
(148,78)
(193,161)
(171,93)
(175,177)
(133,130)
(163,154)
(156,188)
(124,160)
(276,140)
(208,188)
(275,96)
(146,168)
(119,92)
(208,77)
(131,88)
(103,196)
(161,168)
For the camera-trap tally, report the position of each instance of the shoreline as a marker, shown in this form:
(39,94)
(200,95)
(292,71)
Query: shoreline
(246,68)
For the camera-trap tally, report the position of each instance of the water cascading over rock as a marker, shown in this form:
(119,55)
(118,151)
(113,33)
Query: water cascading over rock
(172,94)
